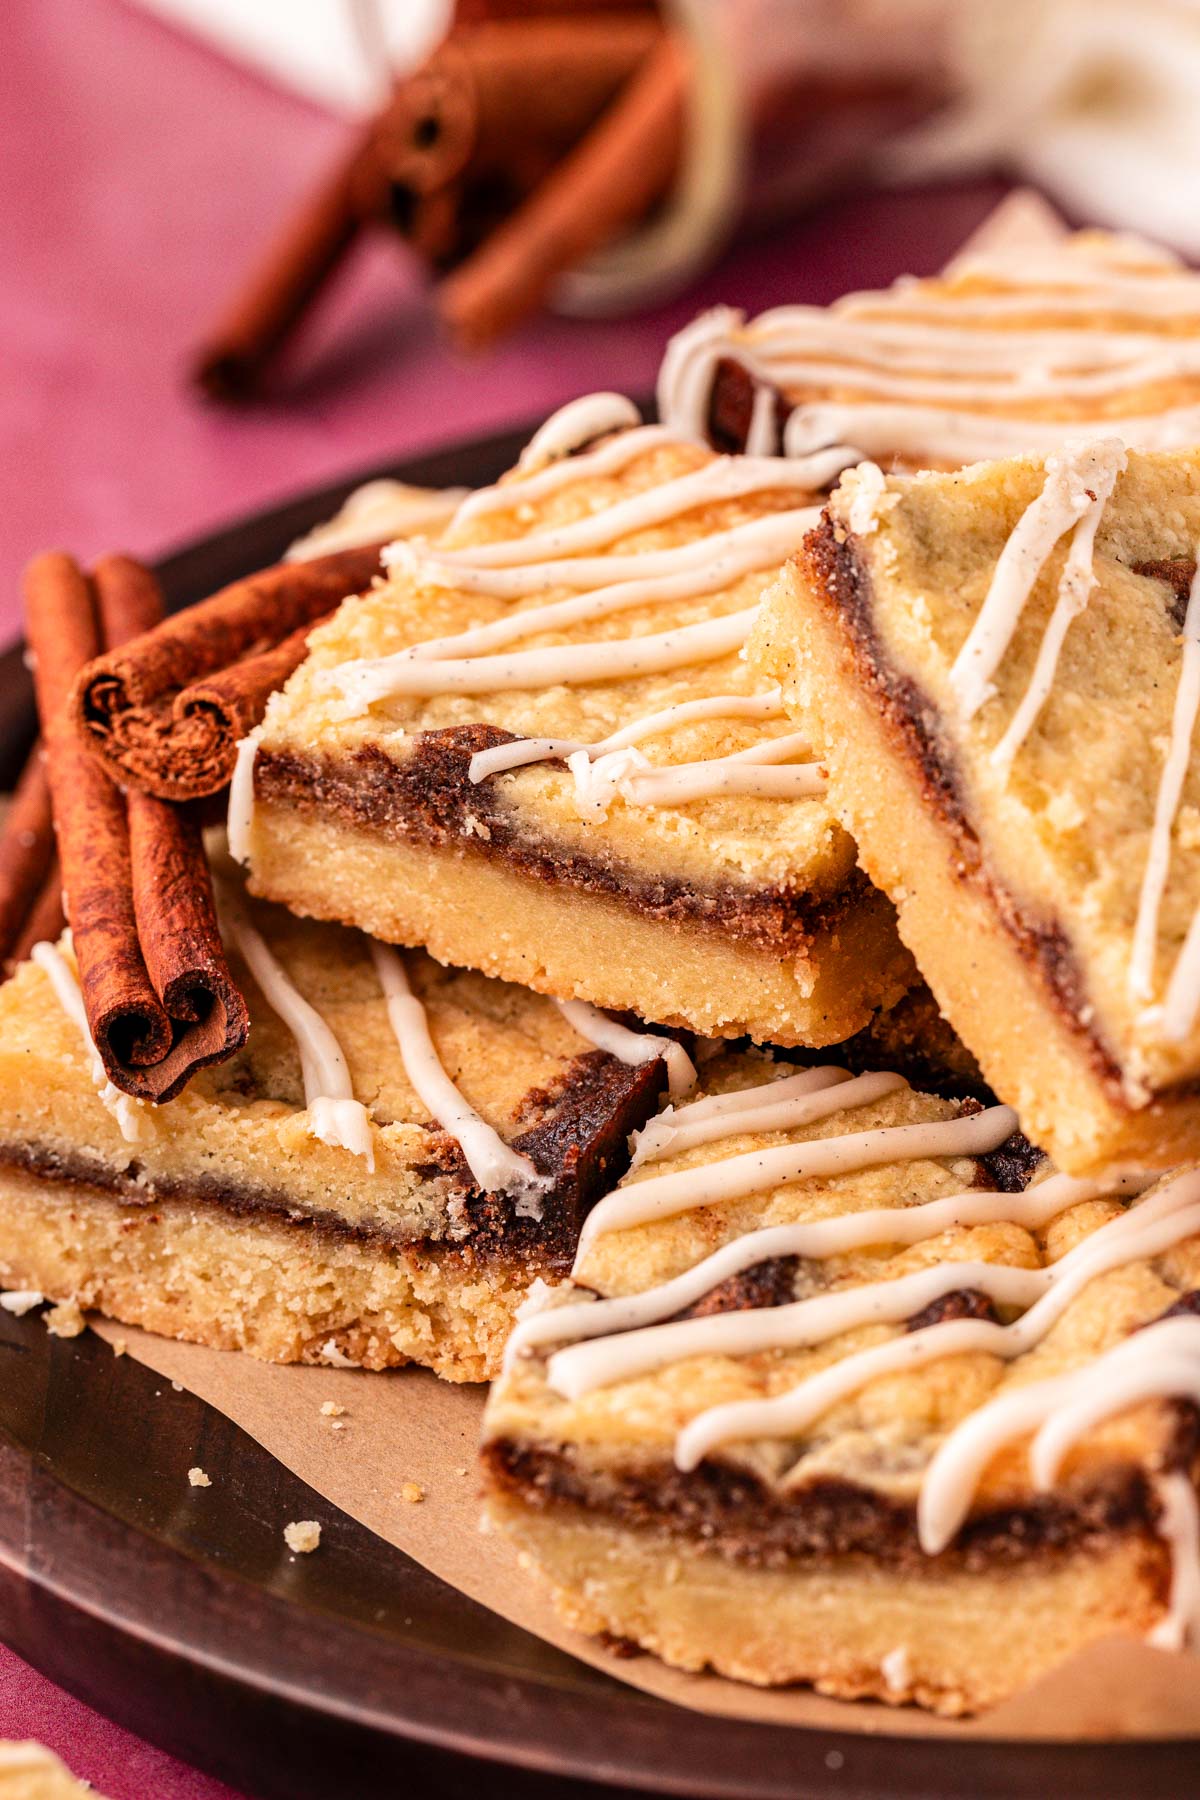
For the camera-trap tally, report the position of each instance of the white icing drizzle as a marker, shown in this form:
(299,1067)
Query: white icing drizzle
(1148,296)
(906,349)
(495,1165)
(689,362)
(772,533)
(129,1113)
(365,684)
(800,1325)
(1155,1225)
(1046,1292)
(579,422)
(746,772)
(1166,806)
(616,583)
(1159,1362)
(945,435)
(665,1196)
(724,478)
(377,510)
(815,1241)
(1074,590)
(766,1107)
(1081,477)
(762,544)
(762,436)
(631,1047)
(239,822)
(1179,1528)
(335,1117)
(609,459)
(476,661)
(685,712)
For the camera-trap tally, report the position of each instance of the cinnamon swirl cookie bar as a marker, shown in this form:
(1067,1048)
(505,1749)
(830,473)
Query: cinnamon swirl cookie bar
(850,1387)
(399,1150)
(536,749)
(1002,667)
(1014,349)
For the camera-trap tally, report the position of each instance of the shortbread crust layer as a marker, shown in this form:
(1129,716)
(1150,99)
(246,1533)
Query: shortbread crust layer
(298,1290)
(952,1641)
(585,943)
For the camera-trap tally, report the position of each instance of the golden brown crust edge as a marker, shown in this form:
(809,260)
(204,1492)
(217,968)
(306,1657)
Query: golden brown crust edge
(1006,985)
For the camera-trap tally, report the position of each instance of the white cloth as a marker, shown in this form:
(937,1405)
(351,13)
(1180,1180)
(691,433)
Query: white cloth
(339,53)
(1094,100)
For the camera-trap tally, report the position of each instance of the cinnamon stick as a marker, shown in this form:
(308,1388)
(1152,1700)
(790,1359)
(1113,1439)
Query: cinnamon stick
(623,166)
(44,922)
(214,714)
(297,265)
(159,999)
(508,97)
(26,850)
(129,1026)
(141,710)
(173,900)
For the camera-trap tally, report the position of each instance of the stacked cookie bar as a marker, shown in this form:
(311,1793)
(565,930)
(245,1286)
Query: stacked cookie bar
(607,864)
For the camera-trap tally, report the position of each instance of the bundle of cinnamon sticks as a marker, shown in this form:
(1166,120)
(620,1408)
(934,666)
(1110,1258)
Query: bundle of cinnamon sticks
(521,146)
(140,716)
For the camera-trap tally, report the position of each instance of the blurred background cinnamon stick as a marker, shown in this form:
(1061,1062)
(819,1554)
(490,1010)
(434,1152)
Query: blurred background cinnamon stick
(480,152)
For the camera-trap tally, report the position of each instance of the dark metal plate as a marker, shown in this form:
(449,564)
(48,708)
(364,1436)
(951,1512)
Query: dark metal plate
(354,1671)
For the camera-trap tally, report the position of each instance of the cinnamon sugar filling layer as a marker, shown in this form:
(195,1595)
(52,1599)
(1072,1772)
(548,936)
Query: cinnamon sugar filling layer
(578,1144)
(428,797)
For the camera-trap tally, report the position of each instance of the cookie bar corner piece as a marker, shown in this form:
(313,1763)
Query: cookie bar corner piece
(772,1434)
(636,826)
(995,665)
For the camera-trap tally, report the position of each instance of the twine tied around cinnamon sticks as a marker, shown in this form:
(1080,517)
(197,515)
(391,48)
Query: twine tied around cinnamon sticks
(159,998)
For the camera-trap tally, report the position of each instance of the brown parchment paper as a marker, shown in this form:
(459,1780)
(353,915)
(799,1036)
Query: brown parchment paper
(408,1427)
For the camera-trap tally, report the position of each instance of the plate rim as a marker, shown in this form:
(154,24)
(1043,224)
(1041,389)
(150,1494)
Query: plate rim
(860,1765)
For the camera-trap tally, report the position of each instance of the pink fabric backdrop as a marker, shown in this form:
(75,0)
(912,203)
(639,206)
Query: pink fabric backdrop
(138,174)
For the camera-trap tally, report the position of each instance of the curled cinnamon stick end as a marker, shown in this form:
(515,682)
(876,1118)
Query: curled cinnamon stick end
(139,710)
(622,167)
(26,851)
(129,1026)
(181,941)
(213,715)
(507,98)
